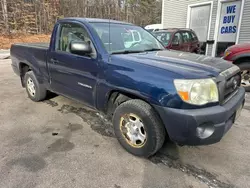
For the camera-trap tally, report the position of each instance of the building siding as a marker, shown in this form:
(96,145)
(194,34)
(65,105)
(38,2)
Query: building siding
(244,35)
(175,15)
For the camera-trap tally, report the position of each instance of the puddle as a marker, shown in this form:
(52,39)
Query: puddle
(51,103)
(201,174)
(96,121)
(100,124)
(74,127)
(31,163)
(61,145)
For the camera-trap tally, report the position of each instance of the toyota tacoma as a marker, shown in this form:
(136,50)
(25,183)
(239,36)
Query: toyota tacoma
(149,92)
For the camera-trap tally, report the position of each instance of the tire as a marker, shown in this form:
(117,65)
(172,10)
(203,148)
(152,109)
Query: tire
(154,130)
(245,66)
(39,92)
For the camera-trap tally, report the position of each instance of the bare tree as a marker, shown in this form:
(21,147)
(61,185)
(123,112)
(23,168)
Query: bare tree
(5,15)
(39,16)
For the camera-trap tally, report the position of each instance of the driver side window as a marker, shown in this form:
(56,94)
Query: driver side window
(71,32)
(177,38)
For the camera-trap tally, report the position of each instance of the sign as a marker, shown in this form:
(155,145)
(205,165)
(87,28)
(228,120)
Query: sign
(229,19)
(199,21)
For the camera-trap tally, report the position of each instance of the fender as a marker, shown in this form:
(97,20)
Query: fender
(135,80)
(242,54)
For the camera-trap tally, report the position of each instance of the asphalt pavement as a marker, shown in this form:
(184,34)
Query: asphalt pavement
(60,143)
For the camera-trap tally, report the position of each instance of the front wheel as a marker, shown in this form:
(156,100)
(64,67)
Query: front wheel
(138,128)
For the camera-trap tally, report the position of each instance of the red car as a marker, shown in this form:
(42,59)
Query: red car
(179,39)
(240,55)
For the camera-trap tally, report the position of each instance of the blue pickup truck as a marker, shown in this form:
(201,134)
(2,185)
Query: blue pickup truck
(149,92)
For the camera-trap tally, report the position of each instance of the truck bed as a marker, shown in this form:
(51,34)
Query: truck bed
(34,45)
(32,54)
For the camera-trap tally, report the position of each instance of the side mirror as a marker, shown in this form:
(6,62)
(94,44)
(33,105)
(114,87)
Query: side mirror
(80,48)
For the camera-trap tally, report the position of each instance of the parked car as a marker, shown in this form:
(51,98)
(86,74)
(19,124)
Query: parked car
(179,39)
(240,56)
(148,91)
(154,27)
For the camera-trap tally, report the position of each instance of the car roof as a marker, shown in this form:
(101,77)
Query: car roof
(176,29)
(165,31)
(94,20)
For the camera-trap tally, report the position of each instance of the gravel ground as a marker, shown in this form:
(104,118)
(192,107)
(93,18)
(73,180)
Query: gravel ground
(60,143)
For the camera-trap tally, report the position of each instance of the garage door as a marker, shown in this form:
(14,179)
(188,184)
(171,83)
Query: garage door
(199,21)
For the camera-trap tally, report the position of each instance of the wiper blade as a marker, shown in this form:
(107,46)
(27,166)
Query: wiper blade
(137,51)
(127,52)
(153,49)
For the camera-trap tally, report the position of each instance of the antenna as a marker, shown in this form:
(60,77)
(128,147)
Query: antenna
(109,31)
(109,35)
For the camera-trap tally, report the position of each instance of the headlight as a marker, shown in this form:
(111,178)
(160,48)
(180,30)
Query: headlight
(197,92)
(227,53)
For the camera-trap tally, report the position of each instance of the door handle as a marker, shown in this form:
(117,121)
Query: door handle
(54,61)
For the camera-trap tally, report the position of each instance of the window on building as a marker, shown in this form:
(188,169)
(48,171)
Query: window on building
(222,46)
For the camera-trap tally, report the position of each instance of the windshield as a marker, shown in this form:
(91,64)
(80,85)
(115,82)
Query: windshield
(122,38)
(164,37)
(150,30)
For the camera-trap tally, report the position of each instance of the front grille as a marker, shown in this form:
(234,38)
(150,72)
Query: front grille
(232,85)
(229,87)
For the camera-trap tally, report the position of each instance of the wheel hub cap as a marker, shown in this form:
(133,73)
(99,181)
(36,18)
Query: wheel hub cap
(31,87)
(133,130)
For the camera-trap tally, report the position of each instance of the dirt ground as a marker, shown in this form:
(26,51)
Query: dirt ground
(7,40)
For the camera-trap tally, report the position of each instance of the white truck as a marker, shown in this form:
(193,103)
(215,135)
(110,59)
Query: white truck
(154,27)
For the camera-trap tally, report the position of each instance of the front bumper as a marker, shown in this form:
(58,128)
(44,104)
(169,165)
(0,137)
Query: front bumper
(183,125)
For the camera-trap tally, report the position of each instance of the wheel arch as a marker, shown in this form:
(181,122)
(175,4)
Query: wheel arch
(241,59)
(25,66)
(117,97)
(23,69)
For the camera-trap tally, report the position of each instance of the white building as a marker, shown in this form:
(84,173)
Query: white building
(218,23)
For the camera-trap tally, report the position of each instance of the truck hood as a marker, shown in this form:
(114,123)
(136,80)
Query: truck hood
(239,47)
(185,64)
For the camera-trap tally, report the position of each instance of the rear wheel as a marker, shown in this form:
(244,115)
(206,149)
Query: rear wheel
(245,75)
(138,128)
(35,91)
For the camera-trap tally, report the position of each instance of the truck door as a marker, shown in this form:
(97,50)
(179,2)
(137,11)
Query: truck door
(73,75)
